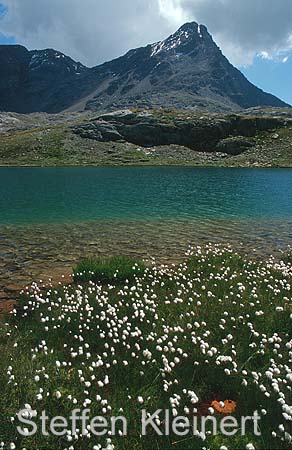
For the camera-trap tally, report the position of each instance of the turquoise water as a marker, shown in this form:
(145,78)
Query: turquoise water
(73,195)
(52,217)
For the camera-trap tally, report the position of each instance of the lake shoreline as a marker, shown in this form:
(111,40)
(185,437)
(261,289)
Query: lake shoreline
(51,217)
(135,164)
(34,253)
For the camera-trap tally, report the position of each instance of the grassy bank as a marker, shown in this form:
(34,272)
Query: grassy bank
(209,336)
(43,140)
(42,148)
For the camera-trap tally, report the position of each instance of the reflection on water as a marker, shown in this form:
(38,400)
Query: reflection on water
(28,252)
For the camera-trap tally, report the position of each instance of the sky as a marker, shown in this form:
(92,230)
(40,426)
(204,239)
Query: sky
(256,35)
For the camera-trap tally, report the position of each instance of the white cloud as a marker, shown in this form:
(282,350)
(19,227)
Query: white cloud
(245,28)
(264,55)
(97,30)
(88,30)
(173,12)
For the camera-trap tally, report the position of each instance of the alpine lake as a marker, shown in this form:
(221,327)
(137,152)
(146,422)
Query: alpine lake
(52,217)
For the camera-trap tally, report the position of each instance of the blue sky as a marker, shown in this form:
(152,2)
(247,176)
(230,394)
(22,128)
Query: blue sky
(6,39)
(271,76)
(86,33)
(3,38)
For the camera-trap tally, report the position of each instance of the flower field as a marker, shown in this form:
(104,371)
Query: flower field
(209,336)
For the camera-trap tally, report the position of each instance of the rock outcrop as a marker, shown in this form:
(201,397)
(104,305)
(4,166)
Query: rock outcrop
(231,134)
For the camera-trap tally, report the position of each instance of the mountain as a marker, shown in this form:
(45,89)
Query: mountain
(40,80)
(186,70)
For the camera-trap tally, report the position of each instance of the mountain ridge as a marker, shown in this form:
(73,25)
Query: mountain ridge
(185,70)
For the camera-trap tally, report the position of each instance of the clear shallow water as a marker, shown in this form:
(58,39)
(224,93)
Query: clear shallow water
(66,195)
(51,217)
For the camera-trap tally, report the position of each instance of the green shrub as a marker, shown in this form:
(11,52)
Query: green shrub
(115,269)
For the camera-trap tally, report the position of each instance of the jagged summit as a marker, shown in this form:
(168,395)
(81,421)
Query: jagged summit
(185,70)
(192,28)
(184,40)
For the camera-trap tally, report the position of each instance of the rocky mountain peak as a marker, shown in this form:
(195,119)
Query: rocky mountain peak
(185,70)
(53,60)
(192,28)
(185,40)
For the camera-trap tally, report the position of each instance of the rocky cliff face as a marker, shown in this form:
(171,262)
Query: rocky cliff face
(231,134)
(186,70)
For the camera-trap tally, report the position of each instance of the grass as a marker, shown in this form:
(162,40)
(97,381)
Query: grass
(115,269)
(215,327)
(287,256)
(49,142)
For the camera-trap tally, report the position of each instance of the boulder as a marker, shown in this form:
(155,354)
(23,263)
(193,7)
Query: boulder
(98,130)
(125,116)
(234,145)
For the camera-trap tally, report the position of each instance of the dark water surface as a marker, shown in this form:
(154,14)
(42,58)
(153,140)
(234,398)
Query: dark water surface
(49,217)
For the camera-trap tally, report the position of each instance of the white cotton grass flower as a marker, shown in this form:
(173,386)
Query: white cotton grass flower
(58,395)
(164,323)
(250,447)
